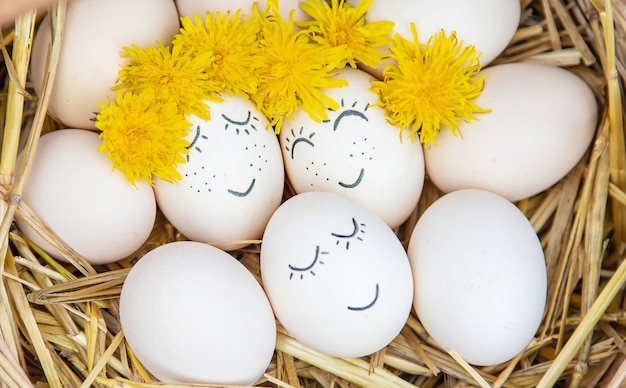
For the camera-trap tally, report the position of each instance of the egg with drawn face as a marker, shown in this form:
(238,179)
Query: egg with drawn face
(355,153)
(336,275)
(233,178)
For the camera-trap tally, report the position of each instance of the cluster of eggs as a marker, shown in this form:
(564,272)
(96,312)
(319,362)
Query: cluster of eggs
(334,273)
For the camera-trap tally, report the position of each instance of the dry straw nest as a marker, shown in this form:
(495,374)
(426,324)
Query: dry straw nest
(59,322)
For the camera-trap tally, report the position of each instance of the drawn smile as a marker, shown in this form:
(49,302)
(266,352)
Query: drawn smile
(371,304)
(242,194)
(356,183)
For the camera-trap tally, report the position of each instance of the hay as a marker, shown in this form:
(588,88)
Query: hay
(59,322)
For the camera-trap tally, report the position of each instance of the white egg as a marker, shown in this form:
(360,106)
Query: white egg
(94,34)
(189,7)
(489,25)
(192,313)
(355,153)
(73,188)
(233,179)
(480,276)
(336,275)
(543,119)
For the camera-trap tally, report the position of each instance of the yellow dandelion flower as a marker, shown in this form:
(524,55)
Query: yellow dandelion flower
(432,85)
(294,72)
(339,23)
(229,49)
(173,74)
(143,137)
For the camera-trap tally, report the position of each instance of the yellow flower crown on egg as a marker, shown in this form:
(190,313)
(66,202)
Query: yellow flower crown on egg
(281,69)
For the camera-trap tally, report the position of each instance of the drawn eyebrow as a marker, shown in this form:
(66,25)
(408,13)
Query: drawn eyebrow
(361,308)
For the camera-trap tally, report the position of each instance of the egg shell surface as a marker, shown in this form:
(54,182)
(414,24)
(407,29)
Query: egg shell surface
(74,189)
(355,153)
(233,179)
(189,7)
(489,25)
(542,120)
(94,34)
(480,276)
(336,275)
(193,314)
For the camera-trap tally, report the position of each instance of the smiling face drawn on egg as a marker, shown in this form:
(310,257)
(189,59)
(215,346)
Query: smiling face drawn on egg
(233,178)
(337,276)
(337,137)
(355,152)
(239,128)
(322,256)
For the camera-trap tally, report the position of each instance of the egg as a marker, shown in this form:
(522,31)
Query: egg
(94,34)
(489,25)
(480,276)
(189,7)
(74,189)
(337,277)
(192,313)
(355,153)
(233,179)
(542,121)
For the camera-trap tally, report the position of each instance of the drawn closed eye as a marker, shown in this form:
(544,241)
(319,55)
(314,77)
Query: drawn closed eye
(194,143)
(349,113)
(244,126)
(354,234)
(298,139)
(308,268)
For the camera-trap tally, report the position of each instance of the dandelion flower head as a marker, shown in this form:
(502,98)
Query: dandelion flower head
(228,48)
(431,85)
(338,23)
(173,75)
(294,71)
(142,136)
